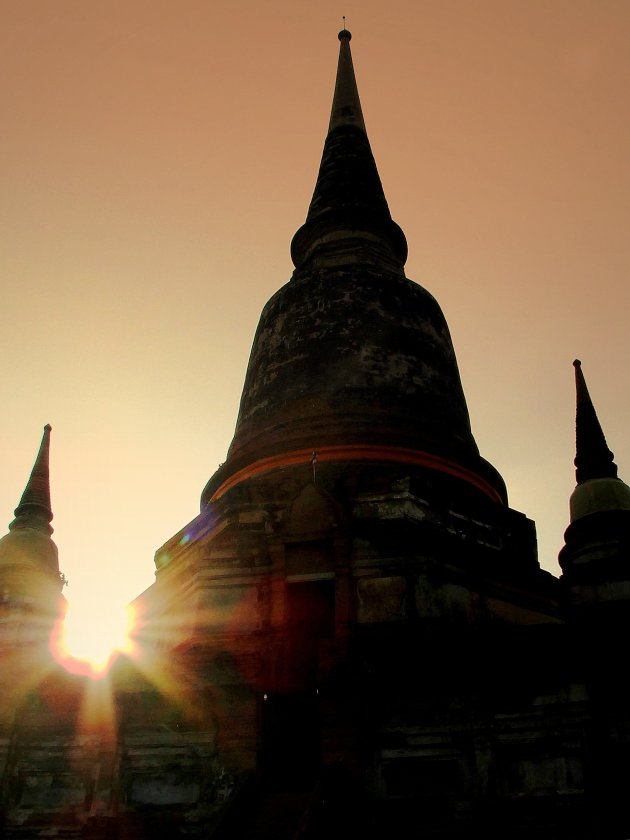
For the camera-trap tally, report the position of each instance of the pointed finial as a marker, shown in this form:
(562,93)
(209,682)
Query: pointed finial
(346,107)
(593,458)
(34,510)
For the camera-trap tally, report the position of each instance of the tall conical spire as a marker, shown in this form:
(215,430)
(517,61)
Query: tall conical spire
(348,219)
(34,510)
(593,458)
(346,107)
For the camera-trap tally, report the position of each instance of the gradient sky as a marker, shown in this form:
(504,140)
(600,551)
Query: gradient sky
(157,158)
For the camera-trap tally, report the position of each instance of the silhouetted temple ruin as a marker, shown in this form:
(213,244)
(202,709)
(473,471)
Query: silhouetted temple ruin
(354,637)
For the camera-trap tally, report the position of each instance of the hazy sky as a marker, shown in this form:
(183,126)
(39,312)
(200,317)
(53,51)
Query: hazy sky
(156,159)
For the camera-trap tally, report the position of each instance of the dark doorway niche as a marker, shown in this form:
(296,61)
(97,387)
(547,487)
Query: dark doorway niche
(290,743)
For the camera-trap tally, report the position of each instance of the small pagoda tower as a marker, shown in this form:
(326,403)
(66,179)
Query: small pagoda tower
(595,559)
(30,581)
(31,603)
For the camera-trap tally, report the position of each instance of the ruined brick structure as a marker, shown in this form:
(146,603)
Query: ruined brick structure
(354,637)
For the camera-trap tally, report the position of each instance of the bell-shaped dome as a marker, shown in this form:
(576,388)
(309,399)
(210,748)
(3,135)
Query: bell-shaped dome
(28,548)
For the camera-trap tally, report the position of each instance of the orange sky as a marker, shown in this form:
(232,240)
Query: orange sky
(158,156)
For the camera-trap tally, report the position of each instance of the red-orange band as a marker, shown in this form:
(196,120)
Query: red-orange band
(359,453)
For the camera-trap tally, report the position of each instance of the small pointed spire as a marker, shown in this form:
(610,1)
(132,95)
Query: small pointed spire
(593,458)
(34,509)
(346,106)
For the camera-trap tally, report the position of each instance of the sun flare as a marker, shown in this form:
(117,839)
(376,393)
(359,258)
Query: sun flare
(87,643)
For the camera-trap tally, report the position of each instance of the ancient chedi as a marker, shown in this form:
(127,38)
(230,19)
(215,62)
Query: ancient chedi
(30,582)
(355,635)
(350,358)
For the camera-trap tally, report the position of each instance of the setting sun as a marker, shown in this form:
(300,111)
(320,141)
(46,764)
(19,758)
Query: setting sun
(86,642)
